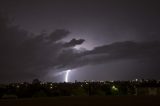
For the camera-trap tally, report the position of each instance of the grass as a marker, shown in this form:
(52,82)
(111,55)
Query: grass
(85,101)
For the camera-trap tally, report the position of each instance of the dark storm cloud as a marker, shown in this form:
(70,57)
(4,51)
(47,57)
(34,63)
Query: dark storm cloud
(24,55)
(58,35)
(74,42)
(130,49)
(114,52)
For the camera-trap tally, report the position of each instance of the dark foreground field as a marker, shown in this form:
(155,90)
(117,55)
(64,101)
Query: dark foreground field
(85,101)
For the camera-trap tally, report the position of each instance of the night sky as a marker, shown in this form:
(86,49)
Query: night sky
(95,39)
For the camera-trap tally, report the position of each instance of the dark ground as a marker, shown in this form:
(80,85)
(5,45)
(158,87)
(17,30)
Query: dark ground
(85,101)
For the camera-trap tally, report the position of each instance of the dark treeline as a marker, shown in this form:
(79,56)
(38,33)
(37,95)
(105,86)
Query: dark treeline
(86,88)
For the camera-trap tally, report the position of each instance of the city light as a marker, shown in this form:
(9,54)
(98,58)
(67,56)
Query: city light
(114,88)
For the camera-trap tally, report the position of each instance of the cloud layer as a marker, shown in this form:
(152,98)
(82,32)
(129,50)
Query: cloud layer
(25,56)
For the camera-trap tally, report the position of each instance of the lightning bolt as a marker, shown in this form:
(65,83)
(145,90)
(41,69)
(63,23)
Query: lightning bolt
(67,74)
